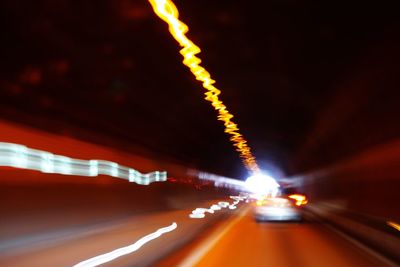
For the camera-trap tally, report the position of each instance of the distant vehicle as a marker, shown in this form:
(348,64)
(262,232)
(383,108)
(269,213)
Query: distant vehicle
(276,209)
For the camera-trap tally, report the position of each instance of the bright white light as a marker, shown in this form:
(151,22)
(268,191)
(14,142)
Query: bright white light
(95,261)
(19,156)
(262,184)
(47,162)
(114,169)
(215,207)
(197,216)
(223,204)
(93,169)
(219,181)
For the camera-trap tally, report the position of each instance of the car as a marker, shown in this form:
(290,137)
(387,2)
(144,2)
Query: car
(276,209)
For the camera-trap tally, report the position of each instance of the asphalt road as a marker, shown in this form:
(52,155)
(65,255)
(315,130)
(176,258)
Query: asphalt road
(244,242)
(67,247)
(62,220)
(225,238)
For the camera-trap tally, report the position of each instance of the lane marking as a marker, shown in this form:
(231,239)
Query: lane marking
(95,261)
(199,213)
(201,250)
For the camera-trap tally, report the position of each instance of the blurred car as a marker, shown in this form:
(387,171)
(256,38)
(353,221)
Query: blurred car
(277,209)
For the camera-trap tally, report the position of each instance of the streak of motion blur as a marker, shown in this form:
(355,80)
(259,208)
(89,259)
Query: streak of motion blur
(51,219)
(167,11)
(107,257)
(20,156)
(89,87)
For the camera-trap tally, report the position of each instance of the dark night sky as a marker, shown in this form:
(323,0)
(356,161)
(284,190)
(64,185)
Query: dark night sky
(309,82)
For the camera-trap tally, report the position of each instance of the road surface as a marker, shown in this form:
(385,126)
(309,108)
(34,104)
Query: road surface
(244,242)
(224,238)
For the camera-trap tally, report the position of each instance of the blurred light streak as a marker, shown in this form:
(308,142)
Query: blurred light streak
(220,181)
(262,185)
(233,205)
(95,261)
(238,198)
(394,225)
(168,12)
(199,213)
(20,156)
(300,199)
(223,204)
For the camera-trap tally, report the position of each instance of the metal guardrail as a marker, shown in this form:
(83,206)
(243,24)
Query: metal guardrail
(20,156)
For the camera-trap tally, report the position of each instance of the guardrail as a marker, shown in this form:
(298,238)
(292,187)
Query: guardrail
(20,156)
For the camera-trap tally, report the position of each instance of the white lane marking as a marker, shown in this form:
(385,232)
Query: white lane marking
(95,261)
(199,213)
(200,251)
(215,207)
(197,216)
(223,204)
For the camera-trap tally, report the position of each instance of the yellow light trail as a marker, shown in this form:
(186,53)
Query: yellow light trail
(394,225)
(300,199)
(168,12)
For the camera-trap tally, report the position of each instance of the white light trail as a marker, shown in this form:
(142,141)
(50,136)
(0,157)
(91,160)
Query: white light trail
(219,181)
(20,156)
(95,261)
(199,213)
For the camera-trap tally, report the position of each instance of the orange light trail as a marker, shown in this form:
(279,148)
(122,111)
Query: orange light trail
(300,199)
(168,12)
(394,225)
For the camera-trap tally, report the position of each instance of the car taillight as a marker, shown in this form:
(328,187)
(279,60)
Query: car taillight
(299,198)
